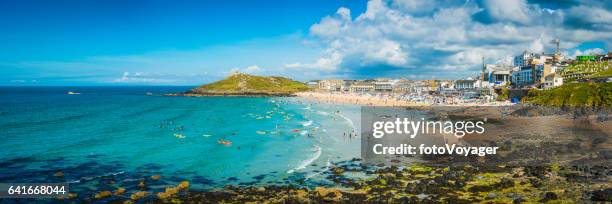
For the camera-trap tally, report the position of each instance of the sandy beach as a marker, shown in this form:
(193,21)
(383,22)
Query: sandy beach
(381,100)
(357,99)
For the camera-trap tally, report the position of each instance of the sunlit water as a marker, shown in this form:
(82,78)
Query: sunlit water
(107,137)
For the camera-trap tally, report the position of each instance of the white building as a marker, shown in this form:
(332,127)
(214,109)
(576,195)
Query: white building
(362,86)
(384,85)
(497,75)
(465,84)
(331,84)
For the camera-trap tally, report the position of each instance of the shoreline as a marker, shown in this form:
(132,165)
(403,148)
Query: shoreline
(388,100)
(355,99)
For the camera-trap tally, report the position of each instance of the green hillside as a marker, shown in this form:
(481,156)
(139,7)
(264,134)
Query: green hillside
(244,84)
(605,73)
(579,70)
(574,94)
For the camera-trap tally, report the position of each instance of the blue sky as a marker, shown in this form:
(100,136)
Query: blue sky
(70,42)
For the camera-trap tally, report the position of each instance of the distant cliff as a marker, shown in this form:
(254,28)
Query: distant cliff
(239,84)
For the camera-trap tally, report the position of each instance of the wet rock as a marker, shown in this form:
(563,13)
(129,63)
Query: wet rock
(300,195)
(491,196)
(261,189)
(518,200)
(606,154)
(183,185)
(328,194)
(549,196)
(138,195)
(337,170)
(602,195)
(58,174)
(535,182)
(141,184)
(505,183)
(72,195)
(103,194)
(480,188)
(356,196)
(120,191)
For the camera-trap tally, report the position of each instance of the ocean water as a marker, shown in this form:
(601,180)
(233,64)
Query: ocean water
(109,137)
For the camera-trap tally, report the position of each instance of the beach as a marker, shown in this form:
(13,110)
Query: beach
(116,145)
(357,99)
(384,99)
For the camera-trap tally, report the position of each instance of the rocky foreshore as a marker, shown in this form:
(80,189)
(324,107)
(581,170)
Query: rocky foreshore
(416,183)
(423,184)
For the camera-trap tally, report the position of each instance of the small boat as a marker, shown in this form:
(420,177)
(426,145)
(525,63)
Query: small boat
(73,93)
(206,135)
(149,94)
(260,132)
(295,130)
(224,142)
(180,136)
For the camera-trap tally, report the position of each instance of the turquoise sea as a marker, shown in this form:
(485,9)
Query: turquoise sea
(109,137)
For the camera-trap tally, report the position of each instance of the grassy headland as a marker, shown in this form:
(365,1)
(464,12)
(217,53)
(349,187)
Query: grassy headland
(239,84)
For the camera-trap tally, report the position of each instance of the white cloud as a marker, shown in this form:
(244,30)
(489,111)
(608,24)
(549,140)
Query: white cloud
(450,37)
(253,69)
(594,51)
(143,77)
(591,14)
(510,10)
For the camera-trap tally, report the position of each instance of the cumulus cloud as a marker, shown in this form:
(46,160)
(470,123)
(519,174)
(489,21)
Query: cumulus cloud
(510,10)
(446,38)
(594,51)
(590,17)
(144,78)
(253,69)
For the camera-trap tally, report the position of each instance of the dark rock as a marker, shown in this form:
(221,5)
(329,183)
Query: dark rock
(518,200)
(505,183)
(549,196)
(602,195)
(606,154)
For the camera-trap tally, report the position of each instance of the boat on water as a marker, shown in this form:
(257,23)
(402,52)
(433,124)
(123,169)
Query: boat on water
(180,136)
(149,94)
(73,93)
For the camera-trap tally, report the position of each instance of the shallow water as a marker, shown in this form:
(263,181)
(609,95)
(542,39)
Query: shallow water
(113,136)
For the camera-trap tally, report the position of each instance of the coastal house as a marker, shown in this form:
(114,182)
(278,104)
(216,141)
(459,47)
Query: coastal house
(465,84)
(346,85)
(313,84)
(552,80)
(331,84)
(362,86)
(383,85)
(403,86)
(498,75)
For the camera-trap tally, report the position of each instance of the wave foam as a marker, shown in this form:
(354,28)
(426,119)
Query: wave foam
(308,161)
(307,123)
